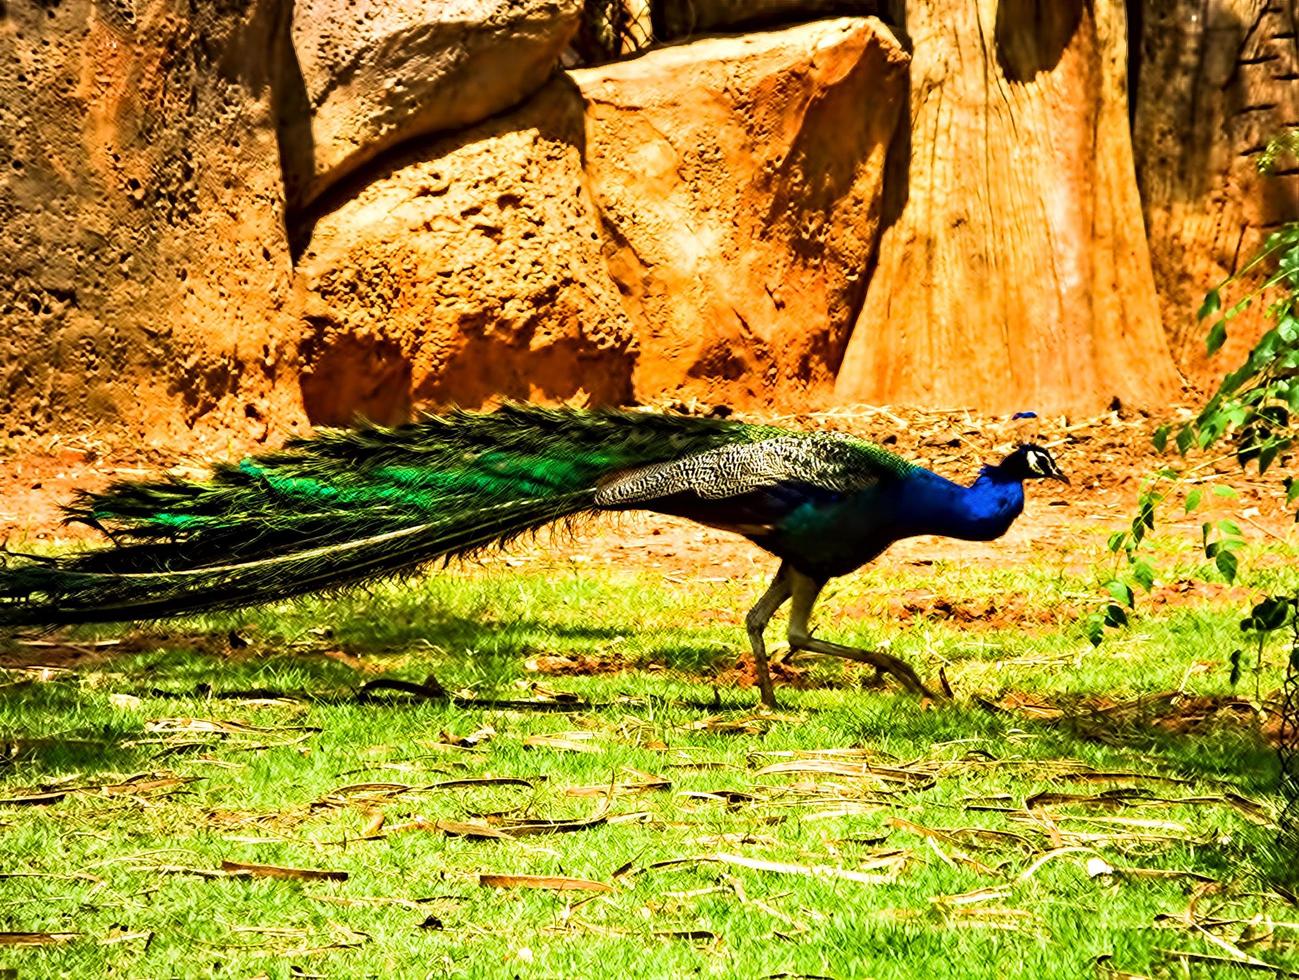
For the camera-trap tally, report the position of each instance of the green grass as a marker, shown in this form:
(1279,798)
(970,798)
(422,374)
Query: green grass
(96,863)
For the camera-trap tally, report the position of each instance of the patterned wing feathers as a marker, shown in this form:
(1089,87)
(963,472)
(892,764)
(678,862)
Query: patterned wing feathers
(825,462)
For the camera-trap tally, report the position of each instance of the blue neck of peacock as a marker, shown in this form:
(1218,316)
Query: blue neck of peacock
(980,512)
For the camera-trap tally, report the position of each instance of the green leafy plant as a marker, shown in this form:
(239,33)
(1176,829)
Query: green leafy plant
(1252,418)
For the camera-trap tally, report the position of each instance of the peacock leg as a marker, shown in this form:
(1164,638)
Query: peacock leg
(756,622)
(805,590)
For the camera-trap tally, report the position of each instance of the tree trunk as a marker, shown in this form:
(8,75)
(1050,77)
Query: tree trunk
(1216,79)
(1015,273)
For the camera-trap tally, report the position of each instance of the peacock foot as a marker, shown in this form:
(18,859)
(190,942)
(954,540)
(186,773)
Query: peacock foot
(884,663)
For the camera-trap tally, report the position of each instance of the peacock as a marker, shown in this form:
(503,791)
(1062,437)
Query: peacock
(347,506)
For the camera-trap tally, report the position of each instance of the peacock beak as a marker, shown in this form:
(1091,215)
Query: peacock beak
(1057,475)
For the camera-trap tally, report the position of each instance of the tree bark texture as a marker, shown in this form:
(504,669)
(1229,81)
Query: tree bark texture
(1014,274)
(1216,79)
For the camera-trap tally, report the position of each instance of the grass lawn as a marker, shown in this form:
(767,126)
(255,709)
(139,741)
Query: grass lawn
(1068,815)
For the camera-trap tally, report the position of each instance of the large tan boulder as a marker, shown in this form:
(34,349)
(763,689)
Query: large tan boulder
(738,185)
(468,269)
(142,247)
(376,72)
(1014,273)
(1215,82)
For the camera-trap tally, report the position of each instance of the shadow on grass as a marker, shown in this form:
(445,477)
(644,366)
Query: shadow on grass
(32,736)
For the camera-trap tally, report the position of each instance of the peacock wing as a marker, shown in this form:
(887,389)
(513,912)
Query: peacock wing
(776,468)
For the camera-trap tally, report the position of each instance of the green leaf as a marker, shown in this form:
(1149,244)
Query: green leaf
(1160,438)
(1212,304)
(1217,336)
(1266,457)
(1115,615)
(1144,574)
(1117,540)
(1230,527)
(1193,499)
(1184,439)
(1234,678)
(1225,491)
(1121,592)
(1226,562)
(1271,614)
(1146,513)
(1095,629)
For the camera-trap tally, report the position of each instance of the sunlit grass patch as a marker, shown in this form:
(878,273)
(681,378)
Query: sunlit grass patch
(1073,806)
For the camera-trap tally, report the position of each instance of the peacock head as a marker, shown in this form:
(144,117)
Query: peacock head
(1030,462)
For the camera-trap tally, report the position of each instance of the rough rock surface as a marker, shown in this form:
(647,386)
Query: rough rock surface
(738,182)
(144,259)
(1014,273)
(469,268)
(1216,81)
(373,73)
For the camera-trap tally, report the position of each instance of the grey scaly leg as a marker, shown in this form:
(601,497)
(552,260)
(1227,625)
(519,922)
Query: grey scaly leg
(805,591)
(756,622)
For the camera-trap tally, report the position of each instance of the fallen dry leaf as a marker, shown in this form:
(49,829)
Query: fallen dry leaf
(895,861)
(553,882)
(273,871)
(33,799)
(37,938)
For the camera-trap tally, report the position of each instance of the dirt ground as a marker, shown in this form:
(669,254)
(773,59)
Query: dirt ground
(1107,458)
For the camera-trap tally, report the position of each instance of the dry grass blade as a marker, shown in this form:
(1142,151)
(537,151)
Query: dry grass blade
(567,742)
(862,770)
(1107,972)
(694,935)
(731,797)
(552,882)
(746,725)
(37,938)
(362,793)
(1126,796)
(528,828)
(895,862)
(481,781)
(648,783)
(219,727)
(857,753)
(180,869)
(933,837)
(376,792)
(1231,949)
(972,897)
(473,830)
(274,871)
(146,783)
(1049,856)
(128,937)
(34,799)
(1246,964)
(850,809)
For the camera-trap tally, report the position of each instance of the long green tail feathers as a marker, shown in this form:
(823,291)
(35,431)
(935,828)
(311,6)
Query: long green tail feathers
(341,508)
